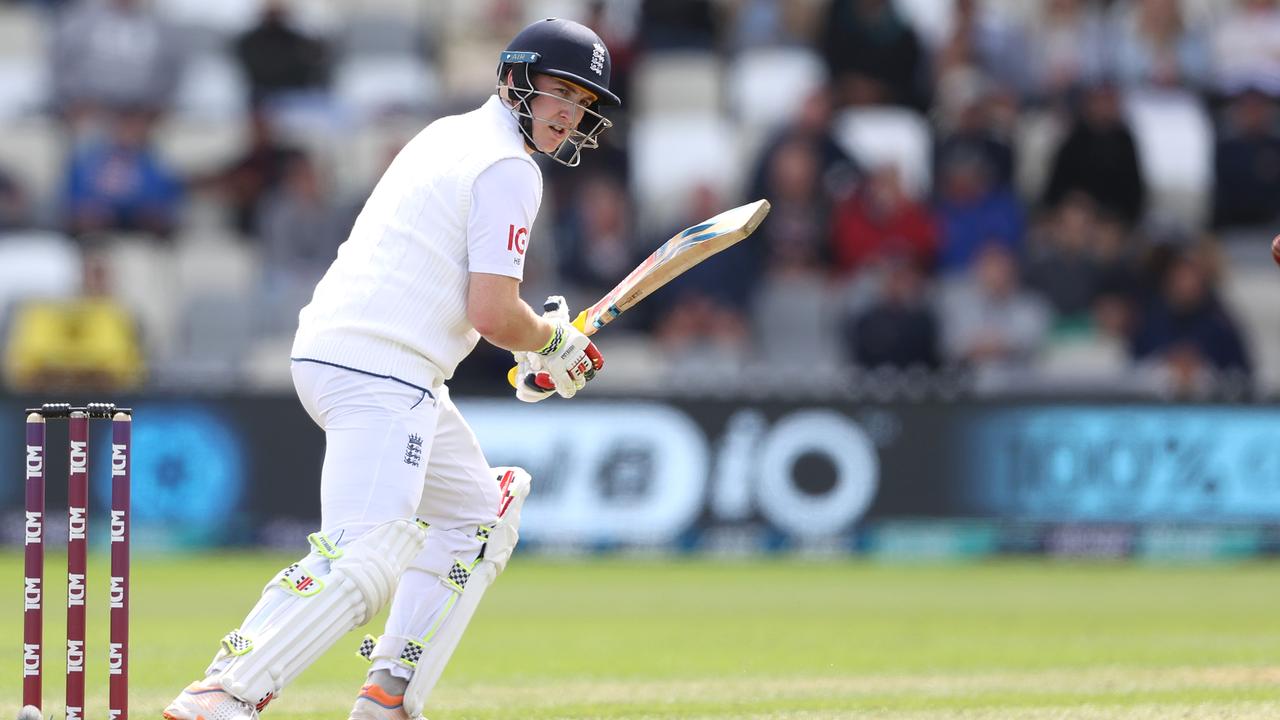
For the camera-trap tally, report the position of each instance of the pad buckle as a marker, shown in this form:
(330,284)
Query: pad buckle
(237,644)
(299,581)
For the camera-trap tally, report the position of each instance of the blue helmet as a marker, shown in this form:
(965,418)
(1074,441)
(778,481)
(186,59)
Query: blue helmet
(564,49)
(569,51)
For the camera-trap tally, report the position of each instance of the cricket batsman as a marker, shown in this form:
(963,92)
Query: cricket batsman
(412,514)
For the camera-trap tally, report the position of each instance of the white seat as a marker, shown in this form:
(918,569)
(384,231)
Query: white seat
(767,86)
(878,136)
(535,10)
(468,66)
(1174,135)
(212,87)
(1086,359)
(1018,11)
(34,151)
(381,33)
(672,154)
(367,150)
(22,32)
(214,335)
(231,17)
(266,366)
(931,19)
(140,274)
(216,265)
(37,264)
(796,312)
(1252,295)
(404,10)
(194,146)
(226,16)
(370,86)
(679,81)
(24,86)
(1036,137)
(1202,13)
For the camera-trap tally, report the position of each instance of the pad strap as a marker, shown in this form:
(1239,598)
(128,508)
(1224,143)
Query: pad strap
(406,651)
(237,643)
(458,576)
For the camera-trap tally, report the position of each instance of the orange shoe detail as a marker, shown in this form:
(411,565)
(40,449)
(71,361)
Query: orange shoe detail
(374,693)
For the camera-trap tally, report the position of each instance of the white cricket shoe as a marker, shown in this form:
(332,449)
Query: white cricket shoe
(374,703)
(208,702)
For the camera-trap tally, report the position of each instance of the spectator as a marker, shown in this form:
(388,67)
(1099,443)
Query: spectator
(699,314)
(984,41)
(974,211)
(838,171)
(989,322)
(1185,327)
(111,54)
(610,160)
(899,328)
(278,59)
(1068,48)
(1154,47)
(874,56)
(300,228)
(972,121)
(15,207)
(1062,265)
(1099,158)
(783,266)
(254,175)
(1118,285)
(678,25)
(1246,48)
(1247,164)
(766,23)
(594,245)
(797,233)
(881,220)
(119,183)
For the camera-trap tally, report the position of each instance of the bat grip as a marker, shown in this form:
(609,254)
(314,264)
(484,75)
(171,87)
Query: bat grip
(579,322)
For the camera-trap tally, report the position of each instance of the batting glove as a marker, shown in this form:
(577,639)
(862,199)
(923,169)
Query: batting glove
(565,364)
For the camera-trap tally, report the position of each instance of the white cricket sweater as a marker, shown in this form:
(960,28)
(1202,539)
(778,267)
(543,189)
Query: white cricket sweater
(393,303)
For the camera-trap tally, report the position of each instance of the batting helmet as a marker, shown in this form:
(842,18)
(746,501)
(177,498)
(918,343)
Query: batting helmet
(564,49)
(567,50)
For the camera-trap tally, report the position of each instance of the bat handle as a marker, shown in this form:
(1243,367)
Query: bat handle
(579,322)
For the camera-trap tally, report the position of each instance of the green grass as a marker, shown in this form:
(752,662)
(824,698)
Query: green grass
(778,639)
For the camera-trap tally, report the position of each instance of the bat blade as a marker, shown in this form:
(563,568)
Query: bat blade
(684,250)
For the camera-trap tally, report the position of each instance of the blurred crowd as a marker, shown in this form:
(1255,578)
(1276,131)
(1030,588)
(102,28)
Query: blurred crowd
(1008,196)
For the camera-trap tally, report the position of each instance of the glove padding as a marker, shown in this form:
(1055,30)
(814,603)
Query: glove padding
(532,381)
(568,362)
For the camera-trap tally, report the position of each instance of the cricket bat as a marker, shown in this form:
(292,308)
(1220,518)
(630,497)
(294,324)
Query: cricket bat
(684,250)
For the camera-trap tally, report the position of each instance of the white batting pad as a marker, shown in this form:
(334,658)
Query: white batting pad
(502,541)
(311,604)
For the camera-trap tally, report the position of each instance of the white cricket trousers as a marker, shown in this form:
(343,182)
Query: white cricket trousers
(396,451)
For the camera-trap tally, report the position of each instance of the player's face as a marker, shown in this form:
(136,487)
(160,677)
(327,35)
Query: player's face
(557,112)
